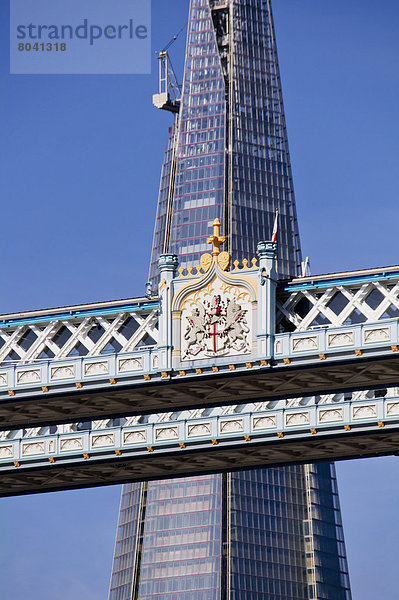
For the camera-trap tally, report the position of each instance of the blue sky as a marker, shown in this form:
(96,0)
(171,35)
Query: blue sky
(80,159)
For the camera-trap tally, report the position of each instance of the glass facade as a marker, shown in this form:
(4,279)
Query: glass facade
(227,155)
(182,543)
(268,508)
(272,534)
(126,544)
(261,180)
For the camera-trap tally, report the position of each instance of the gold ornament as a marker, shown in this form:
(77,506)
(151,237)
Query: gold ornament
(224,260)
(206,262)
(216,239)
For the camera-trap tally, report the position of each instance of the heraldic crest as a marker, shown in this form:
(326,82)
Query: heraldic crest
(216,311)
(215,327)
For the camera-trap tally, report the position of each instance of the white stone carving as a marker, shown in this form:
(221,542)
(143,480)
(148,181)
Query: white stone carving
(3,379)
(166,433)
(30,448)
(29,376)
(96,368)
(216,321)
(130,364)
(102,440)
(331,414)
(266,422)
(340,339)
(6,451)
(75,443)
(364,412)
(62,372)
(51,446)
(377,335)
(304,343)
(231,425)
(278,347)
(155,362)
(199,429)
(132,437)
(297,418)
(392,408)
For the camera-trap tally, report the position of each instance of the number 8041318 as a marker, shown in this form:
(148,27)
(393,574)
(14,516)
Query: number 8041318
(42,47)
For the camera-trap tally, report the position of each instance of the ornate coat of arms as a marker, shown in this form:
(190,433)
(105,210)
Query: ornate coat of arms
(216,326)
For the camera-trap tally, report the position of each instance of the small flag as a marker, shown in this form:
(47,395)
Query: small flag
(275,226)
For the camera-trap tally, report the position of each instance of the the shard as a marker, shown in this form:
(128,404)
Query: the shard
(272,534)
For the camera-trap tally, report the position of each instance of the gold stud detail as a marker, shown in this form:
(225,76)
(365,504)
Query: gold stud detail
(381,424)
(287,361)
(51,459)
(358,352)
(263,363)
(182,445)
(44,388)
(79,385)
(347,427)
(395,348)
(322,356)
(280,434)
(11,393)
(112,381)
(164,374)
(214,442)
(86,456)
(16,463)
(118,452)
(232,367)
(198,371)
(248,365)
(215,369)
(150,449)
(182,373)
(247,438)
(313,431)
(147,377)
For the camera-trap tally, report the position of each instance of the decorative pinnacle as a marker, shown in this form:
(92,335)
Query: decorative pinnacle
(216,239)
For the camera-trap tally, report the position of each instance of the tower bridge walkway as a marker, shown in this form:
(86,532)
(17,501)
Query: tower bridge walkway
(211,338)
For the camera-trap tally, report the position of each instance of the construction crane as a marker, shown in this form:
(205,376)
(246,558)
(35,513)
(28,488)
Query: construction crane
(169,92)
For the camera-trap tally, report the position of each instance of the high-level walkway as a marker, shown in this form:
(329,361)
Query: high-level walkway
(223,369)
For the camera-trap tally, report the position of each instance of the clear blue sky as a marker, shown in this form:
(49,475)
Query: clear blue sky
(80,159)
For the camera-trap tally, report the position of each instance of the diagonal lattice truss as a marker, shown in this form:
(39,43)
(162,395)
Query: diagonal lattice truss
(198,413)
(89,336)
(337,305)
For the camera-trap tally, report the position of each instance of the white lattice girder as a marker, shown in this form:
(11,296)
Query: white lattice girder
(147,325)
(356,297)
(79,330)
(103,424)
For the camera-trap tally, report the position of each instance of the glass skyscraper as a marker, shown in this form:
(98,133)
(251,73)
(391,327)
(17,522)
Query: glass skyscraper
(272,534)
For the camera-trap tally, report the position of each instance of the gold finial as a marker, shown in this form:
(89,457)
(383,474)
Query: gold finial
(216,239)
